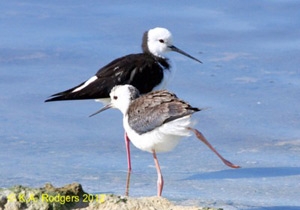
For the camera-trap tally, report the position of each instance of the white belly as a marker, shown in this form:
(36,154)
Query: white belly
(161,139)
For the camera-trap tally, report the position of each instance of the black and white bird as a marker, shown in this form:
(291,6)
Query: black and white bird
(145,71)
(155,122)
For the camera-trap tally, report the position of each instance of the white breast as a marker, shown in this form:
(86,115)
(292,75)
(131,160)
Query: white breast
(161,139)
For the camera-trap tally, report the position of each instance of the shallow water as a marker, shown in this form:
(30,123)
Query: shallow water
(249,79)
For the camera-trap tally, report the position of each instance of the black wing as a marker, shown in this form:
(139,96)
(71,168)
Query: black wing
(143,71)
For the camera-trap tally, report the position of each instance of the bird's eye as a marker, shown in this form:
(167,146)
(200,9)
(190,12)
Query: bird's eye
(161,41)
(115,97)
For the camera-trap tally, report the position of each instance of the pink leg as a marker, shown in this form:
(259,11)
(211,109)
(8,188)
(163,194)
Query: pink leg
(204,140)
(160,179)
(127,144)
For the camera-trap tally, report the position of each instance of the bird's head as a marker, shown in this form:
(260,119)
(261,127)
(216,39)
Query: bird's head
(121,97)
(158,41)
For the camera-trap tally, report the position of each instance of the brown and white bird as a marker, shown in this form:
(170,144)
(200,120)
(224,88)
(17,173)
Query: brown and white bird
(156,122)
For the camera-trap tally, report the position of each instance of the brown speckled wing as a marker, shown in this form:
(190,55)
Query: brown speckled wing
(156,108)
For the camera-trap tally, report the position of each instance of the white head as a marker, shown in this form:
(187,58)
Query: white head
(121,97)
(158,41)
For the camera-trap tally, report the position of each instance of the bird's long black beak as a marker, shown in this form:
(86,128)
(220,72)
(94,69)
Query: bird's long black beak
(175,49)
(108,106)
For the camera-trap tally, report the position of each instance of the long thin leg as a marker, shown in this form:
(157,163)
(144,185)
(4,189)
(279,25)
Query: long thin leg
(160,179)
(204,140)
(127,183)
(127,144)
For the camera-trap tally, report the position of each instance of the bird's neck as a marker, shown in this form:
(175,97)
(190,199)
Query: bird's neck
(124,108)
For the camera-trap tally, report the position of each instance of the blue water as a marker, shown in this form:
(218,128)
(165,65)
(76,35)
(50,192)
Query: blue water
(249,79)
